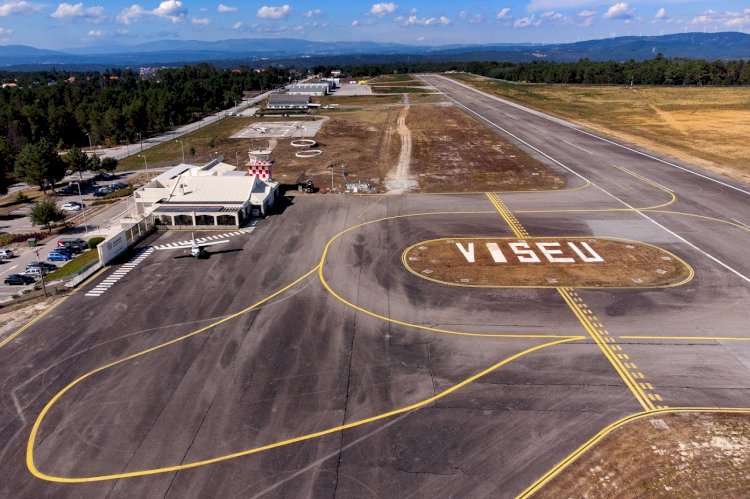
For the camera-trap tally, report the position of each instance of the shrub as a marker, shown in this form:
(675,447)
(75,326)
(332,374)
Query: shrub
(21,198)
(94,242)
(9,238)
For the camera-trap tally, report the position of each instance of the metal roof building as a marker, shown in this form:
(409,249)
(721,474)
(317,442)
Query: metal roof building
(286,101)
(318,89)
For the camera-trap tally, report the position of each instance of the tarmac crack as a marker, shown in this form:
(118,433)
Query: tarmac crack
(457,471)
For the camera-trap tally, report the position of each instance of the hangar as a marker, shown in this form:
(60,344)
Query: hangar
(318,89)
(286,101)
(200,197)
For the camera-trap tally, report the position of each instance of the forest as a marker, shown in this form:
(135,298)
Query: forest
(118,106)
(656,71)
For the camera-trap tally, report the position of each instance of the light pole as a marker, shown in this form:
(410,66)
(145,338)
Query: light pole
(332,167)
(41,273)
(145,164)
(182,149)
(83,210)
(140,139)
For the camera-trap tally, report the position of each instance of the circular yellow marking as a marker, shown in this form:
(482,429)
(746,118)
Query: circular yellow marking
(449,266)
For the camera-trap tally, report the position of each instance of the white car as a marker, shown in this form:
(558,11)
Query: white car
(71,206)
(6,254)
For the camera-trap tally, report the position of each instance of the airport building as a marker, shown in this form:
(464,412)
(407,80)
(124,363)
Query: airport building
(314,89)
(286,101)
(200,197)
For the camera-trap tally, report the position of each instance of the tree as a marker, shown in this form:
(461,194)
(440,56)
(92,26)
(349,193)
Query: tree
(77,161)
(39,164)
(6,162)
(94,163)
(46,213)
(109,164)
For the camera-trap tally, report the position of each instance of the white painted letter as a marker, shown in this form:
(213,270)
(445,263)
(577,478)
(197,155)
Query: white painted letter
(593,255)
(497,255)
(468,253)
(526,255)
(549,253)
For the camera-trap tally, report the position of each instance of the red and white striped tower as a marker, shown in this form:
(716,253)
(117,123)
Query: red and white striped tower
(259,164)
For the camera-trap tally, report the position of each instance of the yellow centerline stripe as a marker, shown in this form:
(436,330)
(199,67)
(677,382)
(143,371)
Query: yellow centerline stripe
(583,314)
(534,487)
(310,436)
(688,338)
(607,351)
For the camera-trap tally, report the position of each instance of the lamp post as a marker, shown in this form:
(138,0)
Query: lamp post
(140,139)
(83,210)
(182,149)
(332,167)
(145,164)
(41,273)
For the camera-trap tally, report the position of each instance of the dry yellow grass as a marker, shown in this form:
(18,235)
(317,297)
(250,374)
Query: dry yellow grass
(706,126)
(696,455)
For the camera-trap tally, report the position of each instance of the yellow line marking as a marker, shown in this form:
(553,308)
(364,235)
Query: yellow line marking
(505,214)
(534,487)
(742,227)
(606,350)
(672,199)
(170,469)
(687,338)
(50,309)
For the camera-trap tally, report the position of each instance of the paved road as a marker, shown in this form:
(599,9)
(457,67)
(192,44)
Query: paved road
(362,379)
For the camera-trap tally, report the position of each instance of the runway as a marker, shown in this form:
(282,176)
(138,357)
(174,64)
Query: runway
(305,359)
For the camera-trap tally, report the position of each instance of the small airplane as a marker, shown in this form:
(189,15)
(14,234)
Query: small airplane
(197,249)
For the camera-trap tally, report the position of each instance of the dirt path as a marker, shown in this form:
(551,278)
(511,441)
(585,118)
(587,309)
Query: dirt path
(398,180)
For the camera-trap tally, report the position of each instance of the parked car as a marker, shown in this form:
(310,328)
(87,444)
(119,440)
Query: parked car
(18,280)
(59,256)
(72,244)
(104,176)
(118,185)
(49,267)
(72,206)
(35,272)
(102,191)
(6,254)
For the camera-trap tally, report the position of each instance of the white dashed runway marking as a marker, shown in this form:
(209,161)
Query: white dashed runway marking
(110,281)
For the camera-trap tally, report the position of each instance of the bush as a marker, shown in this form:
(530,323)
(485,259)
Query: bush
(94,242)
(21,198)
(8,238)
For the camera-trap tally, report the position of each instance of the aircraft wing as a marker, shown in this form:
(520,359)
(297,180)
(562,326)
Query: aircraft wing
(188,245)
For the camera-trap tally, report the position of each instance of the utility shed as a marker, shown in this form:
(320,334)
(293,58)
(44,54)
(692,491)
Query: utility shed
(286,101)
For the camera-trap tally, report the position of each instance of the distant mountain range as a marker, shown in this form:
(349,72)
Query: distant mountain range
(262,51)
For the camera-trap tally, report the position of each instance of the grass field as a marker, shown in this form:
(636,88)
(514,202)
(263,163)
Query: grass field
(75,266)
(682,455)
(399,90)
(208,141)
(392,78)
(707,126)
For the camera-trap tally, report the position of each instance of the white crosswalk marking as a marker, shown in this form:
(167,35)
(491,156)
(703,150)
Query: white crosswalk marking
(209,238)
(110,281)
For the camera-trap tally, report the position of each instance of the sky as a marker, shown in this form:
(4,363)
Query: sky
(63,25)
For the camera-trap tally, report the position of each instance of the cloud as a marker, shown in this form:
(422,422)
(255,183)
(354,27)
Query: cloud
(95,33)
(477,19)
(279,12)
(422,21)
(200,21)
(463,14)
(5,31)
(355,23)
(11,8)
(525,22)
(169,9)
(503,13)
(226,9)
(587,17)
(619,11)
(313,13)
(381,9)
(238,25)
(728,19)
(661,13)
(78,11)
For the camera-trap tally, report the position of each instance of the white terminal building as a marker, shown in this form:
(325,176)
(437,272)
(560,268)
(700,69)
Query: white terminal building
(210,196)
